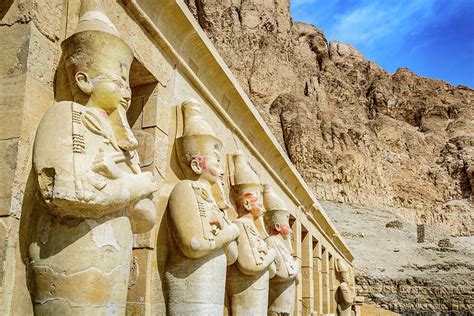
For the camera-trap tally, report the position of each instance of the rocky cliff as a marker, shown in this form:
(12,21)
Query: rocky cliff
(358,134)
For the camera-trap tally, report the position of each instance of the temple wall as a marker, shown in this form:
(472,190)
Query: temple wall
(174,62)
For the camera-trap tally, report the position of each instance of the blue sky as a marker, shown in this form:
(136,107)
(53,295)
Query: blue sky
(434,38)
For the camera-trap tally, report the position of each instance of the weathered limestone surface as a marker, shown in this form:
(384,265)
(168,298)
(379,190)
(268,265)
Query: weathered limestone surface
(401,274)
(92,193)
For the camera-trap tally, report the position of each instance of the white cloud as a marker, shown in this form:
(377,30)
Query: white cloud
(374,21)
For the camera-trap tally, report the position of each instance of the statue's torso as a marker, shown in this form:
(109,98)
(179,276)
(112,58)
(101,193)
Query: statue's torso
(282,290)
(249,293)
(344,308)
(69,252)
(196,284)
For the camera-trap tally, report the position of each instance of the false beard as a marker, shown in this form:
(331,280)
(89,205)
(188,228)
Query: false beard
(123,133)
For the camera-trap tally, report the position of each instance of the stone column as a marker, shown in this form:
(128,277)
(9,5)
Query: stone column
(325,281)
(332,286)
(307,274)
(317,277)
(296,228)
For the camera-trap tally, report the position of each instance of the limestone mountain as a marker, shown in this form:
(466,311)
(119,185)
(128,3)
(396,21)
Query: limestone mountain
(357,134)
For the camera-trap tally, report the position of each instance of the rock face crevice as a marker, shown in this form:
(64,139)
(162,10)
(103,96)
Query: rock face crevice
(356,133)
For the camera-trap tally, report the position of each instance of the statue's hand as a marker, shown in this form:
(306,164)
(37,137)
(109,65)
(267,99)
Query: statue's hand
(142,216)
(141,184)
(216,224)
(106,164)
(272,270)
(235,231)
(231,252)
(272,252)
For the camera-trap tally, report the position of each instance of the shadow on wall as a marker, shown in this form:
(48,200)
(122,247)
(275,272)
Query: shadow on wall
(4,7)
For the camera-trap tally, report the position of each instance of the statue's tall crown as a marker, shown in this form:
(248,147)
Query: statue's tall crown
(341,266)
(277,211)
(244,176)
(95,46)
(198,138)
(93,18)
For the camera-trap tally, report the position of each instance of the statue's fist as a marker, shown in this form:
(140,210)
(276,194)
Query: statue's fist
(142,216)
(106,164)
(231,252)
(141,185)
(272,253)
(234,231)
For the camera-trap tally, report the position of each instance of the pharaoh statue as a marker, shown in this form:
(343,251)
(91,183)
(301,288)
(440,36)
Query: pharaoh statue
(282,285)
(344,294)
(247,283)
(200,233)
(93,194)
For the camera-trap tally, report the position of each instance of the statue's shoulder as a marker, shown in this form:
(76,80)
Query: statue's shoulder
(183,187)
(55,128)
(344,286)
(182,195)
(272,240)
(58,118)
(53,146)
(62,108)
(238,221)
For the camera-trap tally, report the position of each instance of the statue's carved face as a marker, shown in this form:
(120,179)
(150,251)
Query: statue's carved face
(207,167)
(108,92)
(344,276)
(252,202)
(283,229)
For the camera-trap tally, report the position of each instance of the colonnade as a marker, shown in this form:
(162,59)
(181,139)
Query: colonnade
(316,293)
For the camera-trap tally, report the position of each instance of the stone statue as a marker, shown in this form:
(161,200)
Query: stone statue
(200,234)
(94,196)
(247,283)
(282,285)
(344,294)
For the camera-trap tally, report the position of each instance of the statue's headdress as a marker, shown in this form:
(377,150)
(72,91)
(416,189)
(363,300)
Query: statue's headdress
(276,210)
(244,177)
(96,46)
(341,266)
(96,49)
(198,137)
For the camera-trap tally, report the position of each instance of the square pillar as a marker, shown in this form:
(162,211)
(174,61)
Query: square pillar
(307,273)
(296,227)
(325,281)
(317,277)
(332,285)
